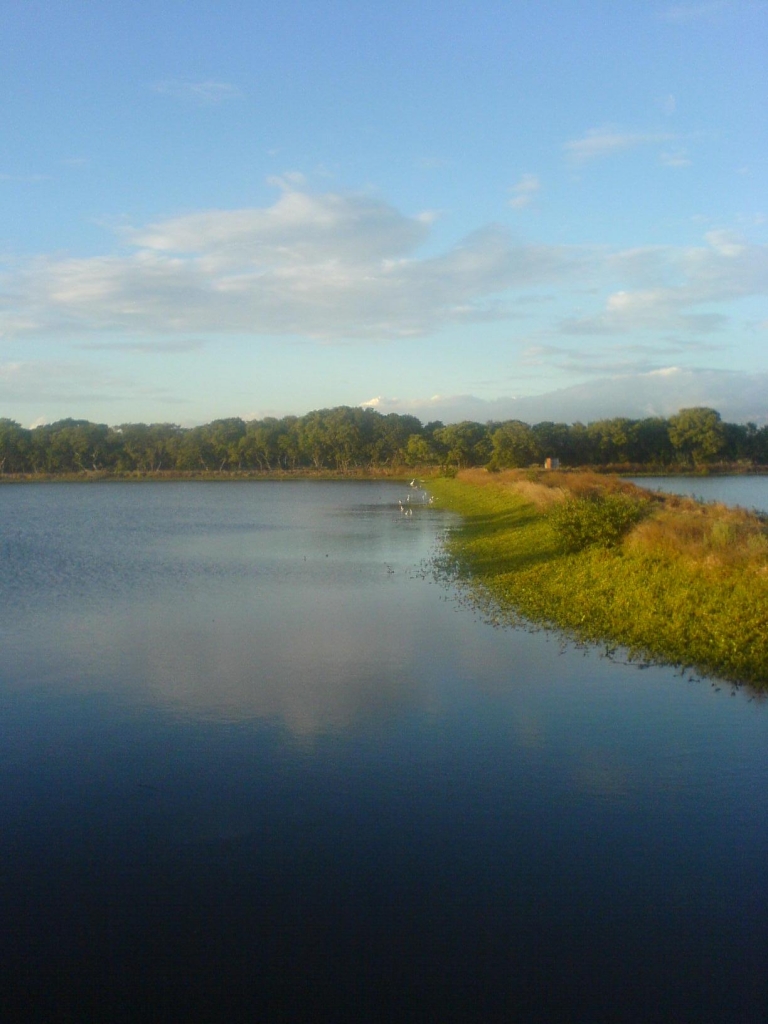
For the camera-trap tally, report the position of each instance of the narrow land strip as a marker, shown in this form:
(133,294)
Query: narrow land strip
(674,580)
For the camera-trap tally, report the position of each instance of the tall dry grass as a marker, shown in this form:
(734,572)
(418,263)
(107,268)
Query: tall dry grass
(544,488)
(712,535)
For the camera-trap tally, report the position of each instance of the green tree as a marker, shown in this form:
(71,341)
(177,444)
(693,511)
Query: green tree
(697,434)
(419,452)
(514,445)
(313,439)
(758,445)
(289,442)
(14,447)
(257,448)
(344,437)
(192,450)
(464,444)
(738,441)
(611,439)
(651,443)
(74,446)
(223,437)
(391,435)
(553,440)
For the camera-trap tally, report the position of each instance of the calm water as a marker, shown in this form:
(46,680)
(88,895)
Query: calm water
(257,765)
(748,491)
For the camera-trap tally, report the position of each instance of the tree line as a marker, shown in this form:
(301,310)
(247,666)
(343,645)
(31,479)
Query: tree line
(346,439)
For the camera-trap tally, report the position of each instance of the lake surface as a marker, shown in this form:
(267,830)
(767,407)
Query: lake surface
(748,491)
(257,764)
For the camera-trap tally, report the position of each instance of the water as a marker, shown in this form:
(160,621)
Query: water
(749,492)
(256,764)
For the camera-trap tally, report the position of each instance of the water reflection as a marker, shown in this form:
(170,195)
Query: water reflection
(241,728)
(309,615)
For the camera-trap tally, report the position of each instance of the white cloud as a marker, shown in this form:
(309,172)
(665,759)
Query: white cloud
(297,228)
(156,347)
(726,243)
(205,93)
(607,359)
(336,266)
(606,141)
(288,180)
(524,191)
(666,371)
(659,309)
(738,396)
(681,280)
(325,266)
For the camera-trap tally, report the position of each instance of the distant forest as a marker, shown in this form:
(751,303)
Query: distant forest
(348,439)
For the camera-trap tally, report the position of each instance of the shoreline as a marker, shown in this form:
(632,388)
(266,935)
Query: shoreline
(394,473)
(685,585)
(209,476)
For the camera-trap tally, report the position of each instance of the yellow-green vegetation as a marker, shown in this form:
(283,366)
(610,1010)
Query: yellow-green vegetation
(668,578)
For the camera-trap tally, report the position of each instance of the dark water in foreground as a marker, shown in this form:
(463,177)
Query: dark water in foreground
(256,765)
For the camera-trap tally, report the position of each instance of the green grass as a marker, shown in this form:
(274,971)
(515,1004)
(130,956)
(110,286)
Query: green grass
(701,602)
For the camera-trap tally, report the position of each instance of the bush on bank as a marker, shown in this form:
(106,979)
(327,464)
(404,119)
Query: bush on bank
(600,520)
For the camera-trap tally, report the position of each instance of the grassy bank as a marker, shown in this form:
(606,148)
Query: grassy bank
(666,577)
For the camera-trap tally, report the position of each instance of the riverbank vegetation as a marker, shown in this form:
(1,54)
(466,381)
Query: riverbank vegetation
(666,577)
(355,441)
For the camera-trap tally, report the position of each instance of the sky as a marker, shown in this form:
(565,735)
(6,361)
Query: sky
(534,210)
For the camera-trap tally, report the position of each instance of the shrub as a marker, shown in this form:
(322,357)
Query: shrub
(600,520)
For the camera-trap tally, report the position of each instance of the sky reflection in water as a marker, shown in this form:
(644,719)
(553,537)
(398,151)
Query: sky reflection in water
(255,699)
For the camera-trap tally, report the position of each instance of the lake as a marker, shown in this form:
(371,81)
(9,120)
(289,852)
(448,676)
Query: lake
(258,763)
(749,492)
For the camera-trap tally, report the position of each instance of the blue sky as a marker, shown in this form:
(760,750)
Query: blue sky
(543,210)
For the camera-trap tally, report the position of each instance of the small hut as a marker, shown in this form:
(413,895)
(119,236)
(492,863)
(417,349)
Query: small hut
(552,464)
